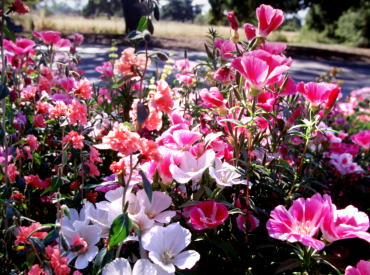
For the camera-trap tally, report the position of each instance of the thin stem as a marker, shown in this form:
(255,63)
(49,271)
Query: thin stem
(3,101)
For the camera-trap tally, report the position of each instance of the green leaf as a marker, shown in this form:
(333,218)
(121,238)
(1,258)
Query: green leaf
(47,268)
(37,158)
(4,91)
(9,23)
(289,264)
(122,81)
(38,244)
(56,182)
(142,24)
(147,186)
(142,112)
(119,230)
(9,34)
(135,35)
(86,168)
(66,211)
(189,203)
(156,12)
(102,259)
(138,233)
(53,235)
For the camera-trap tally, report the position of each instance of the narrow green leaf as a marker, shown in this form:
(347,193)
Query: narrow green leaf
(119,230)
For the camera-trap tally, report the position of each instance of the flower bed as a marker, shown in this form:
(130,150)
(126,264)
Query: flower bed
(226,166)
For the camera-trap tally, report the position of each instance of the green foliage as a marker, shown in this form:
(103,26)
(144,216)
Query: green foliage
(181,10)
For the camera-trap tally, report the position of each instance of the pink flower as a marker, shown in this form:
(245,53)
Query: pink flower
(43,107)
(208,214)
(94,155)
(183,65)
(32,141)
(77,240)
(300,223)
(344,163)
(224,75)
(2,155)
(60,109)
(128,59)
(185,79)
(77,113)
(84,88)
(169,157)
(225,47)
(44,85)
(273,48)
(250,31)
(342,224)
(289,124)
(266,100)
(68,83)
(149,150)
(362,139)
(106,69)
(53,254)
(20,7)
(162,99)
(29,93)
(36,182)
(214,97)
(268,19)
(27,230)
(61,43)
(78,39)
(75,139)
(233,23)
(12,172)
(35,270)
(121,139)
(47,37)
(363,268)
(317,93)
(242,221)
(93,169)
(260,68)
(21,48)
(39,121)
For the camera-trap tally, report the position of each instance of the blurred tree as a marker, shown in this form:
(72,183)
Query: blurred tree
(181,10)
(132,11)
(106,7)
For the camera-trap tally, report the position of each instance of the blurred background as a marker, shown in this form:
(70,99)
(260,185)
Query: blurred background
(308,22)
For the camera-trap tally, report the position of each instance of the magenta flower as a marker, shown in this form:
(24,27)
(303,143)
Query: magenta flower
(208,214)
(243,220)
(78,39)
(260,68)
(342,224)
(224,75)
(226,47)
(300,223)
(268,19)
(273,48)
(250,31)
(213,96)
(362,139)
(47,37)
(233,23)
(344,163)
(318,93)
(363,268)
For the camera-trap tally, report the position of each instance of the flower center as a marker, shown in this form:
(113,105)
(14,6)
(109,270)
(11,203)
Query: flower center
(167,256)
(150,213)
(304,228)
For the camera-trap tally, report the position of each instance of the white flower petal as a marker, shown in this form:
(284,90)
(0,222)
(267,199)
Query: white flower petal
(176,238)
(119,266)
(144,267)
(186,259)
(157,259)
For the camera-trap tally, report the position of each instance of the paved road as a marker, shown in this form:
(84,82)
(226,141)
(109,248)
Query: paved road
(355,74)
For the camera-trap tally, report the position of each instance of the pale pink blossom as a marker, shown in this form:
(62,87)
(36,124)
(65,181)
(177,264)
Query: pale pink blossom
(78,39)
(300,223)
(344,163)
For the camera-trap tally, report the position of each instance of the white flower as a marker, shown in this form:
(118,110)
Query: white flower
(191,168)
(90,234)
(165,245)
(98,217)
(155,210)
(122,266)
(224,174)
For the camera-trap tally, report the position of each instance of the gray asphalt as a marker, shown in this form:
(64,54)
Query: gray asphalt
(355,74)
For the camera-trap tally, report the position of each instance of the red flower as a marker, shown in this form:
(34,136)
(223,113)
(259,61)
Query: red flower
(208,214)
(74,185)
(233,23)
(17,196)
(20,7)
(91,197)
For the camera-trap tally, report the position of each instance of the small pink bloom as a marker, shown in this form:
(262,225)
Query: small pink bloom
(47,37)
(12,172)
(185,79)
(260,68)
(268,19)
(289,124)
(93,169)
(29,93)
(32,141)
(44,85)
(35,270)
(362,139)
(317,93)
(94,155)
(169,157)
(344,164)
(184,65)
(233,23)
(128,59)
(75,139)
(225,47)
(77,113)
(27,230)
(43,107)
(149,150)
(300,223)
(208,214)
(39,121)
(342,224)
(250,31)
(363,268)
(213,96)
(20,7)
(36,182)
(78,240)
(242,222)
(266,100)
(106,69)
(162,100)
(273,48)
(84,88)
(78,39)
(224,75)
(121,139)
(60,109)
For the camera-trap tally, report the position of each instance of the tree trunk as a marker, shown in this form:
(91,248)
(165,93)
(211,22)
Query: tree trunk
(132,14)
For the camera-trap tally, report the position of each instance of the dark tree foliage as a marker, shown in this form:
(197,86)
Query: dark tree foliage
(181,10)
(132,11)
(98,7)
